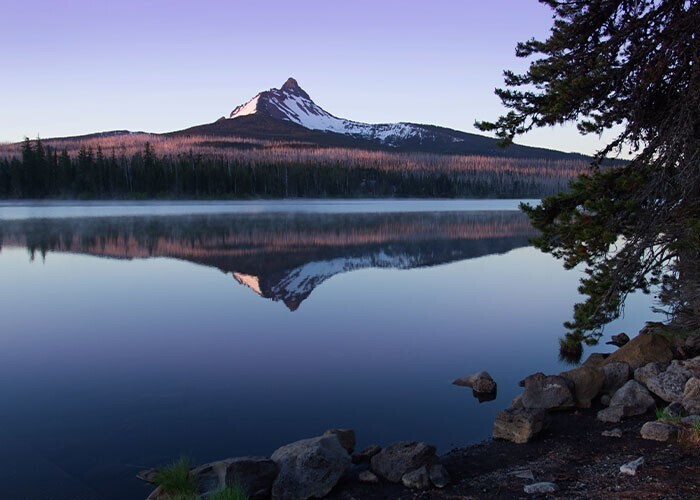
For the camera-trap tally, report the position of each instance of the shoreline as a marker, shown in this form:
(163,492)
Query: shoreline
(566,436)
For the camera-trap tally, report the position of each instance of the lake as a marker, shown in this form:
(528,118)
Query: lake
(133,333)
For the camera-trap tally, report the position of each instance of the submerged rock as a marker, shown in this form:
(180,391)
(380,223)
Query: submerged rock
(619,340)
(481,382)
(613,433)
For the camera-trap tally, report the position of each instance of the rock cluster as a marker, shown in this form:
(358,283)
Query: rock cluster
(311,468)
(638,377)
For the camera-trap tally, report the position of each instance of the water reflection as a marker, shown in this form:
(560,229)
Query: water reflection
(282,257)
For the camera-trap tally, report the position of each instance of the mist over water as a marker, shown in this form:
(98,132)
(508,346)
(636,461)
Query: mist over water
(135,333)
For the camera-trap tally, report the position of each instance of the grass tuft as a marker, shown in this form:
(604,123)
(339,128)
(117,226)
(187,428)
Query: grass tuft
(229,493)
(176,481)
(662,415)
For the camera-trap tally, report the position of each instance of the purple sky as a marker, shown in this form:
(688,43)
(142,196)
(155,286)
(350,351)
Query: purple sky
(74,67)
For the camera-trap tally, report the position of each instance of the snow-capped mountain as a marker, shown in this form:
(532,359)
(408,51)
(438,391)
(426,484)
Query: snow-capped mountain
(291,103)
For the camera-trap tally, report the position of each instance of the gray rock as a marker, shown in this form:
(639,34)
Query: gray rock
(439,475)
(616,375)
(630,400)
(619,340)
(693,366)
(587,382)
(605,400)
(366,454)
(611,414)
(613,433)
(643,349)
(517,401)
(345,436)
(519,425)
(418,479)
(211,476)
(691,420)
(254,475)
(540,488)
(399,458)
(669,385)
(367,476)
(309,468)
(595,360)
(481,382)
(644,373)
(147,475)
(691,396)
(658,431)
(675,410)
(630,468)
(548,392)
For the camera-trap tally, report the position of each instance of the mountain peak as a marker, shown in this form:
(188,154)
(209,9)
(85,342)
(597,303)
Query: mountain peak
(292,86)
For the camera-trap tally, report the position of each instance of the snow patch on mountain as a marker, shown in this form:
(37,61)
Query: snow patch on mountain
(293,104)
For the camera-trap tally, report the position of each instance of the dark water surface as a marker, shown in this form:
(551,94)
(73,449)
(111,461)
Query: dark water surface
(133,333)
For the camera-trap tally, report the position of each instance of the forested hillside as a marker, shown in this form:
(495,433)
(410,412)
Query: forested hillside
(157,166)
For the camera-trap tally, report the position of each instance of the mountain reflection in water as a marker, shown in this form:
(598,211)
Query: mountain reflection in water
(282,257)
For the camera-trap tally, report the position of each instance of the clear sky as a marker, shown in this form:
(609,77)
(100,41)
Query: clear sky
(78,66)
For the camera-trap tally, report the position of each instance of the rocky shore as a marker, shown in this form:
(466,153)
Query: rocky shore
(624,425)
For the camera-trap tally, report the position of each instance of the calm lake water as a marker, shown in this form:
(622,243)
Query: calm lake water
(134,333)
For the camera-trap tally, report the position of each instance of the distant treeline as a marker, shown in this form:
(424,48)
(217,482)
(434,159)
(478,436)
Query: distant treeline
(137,167)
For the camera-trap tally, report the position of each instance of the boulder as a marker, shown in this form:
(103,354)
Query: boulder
(630,400)
(519,425)
(211,476)
(669,385)
(691,396)
(658,431)
(366,454)
(644,373)
(481,382)
(587,383)
(540,488)
(619,340)
(254,475)
(692,420)
(616,375)
(689,366)
(418,479)
(399,458)
(439,475)
(630,468)
(345,436)
(309,468)
(643,349)
(548,392)
(675,410)
(595,360)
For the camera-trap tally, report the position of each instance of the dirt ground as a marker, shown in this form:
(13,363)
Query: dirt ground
(571,453)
